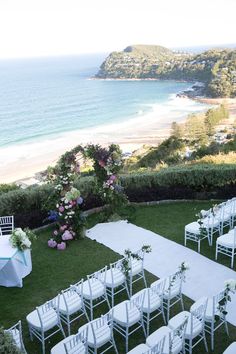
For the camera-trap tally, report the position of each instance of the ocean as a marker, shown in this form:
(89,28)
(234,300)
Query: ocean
(49,105)
(41,98)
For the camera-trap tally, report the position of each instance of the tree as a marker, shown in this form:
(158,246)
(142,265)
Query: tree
(176,130)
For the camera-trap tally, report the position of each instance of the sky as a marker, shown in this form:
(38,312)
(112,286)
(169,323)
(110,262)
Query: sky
(31,28)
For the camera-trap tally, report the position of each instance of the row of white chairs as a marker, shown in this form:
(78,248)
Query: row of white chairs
(131,315)
(182,333)
(81,298)
(213,222)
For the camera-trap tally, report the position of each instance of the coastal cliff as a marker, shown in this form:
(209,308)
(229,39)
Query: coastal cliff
(216,68)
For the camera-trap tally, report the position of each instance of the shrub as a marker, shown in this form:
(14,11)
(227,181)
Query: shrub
(4,188)
(200,181)
(7,346)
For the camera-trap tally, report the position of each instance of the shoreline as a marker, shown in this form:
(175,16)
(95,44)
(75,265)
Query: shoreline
(148,129)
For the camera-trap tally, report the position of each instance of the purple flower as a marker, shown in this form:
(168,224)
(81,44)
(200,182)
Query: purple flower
(61,246)
(80,200)
(52,243)
(67,236)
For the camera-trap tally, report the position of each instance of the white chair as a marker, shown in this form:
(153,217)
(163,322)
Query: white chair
(145,349)
(16,333)
(98,334)
(59,348)
(174,339)
(42,320)
(210,224)
(172,292)
(226,244)
(225,213)
(74,344)
(71,305)
(136,268)
(127,319)
(93,290)
(231,349)
(216,315)
(115,280)
(6,225)
(150,302)
(195,329)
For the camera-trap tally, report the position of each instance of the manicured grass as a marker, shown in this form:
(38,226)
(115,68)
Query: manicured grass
(54,271)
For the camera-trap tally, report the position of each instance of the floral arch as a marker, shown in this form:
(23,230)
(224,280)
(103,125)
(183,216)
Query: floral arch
(67,200)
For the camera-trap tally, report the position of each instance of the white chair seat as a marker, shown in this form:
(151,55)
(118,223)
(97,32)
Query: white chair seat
(97,289)
(118,278)
(193,228)
(74,303)
(154,300)
(59,348)
(136,266)
(226,240)
(164,331)
(178,319)
(231,349)
(51,321)
(211,221)
(102,334)
(119,314)
(140,349)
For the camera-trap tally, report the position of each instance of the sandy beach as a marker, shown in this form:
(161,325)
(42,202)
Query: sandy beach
(31,158)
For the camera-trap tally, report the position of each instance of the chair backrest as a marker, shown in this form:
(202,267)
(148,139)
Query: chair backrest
(159,286)
(6,225)
(198,311)
(69,297)
(77,344)
(219,307)
(176,335)
(114,267)
(157,348)
(99,275)
(16,332)
(131,307)
(174,283)
(99,328)
(139,257)
(46,312)
(78,287)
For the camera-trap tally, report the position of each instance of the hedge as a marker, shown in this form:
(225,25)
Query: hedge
(182,182)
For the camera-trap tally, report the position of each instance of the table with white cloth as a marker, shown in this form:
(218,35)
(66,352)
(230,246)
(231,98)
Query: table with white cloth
(14,264)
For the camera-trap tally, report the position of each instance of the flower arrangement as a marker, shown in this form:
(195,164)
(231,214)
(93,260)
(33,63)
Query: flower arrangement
(229,287)
(21,239)
(180,273)
(128,254)
(202,229)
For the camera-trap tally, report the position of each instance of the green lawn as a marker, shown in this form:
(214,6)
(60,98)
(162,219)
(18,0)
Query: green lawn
(54,271)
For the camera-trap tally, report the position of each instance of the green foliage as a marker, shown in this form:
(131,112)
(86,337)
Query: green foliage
(217,68)
(213,116)
(4,188)
(197,177)
(168,151)
(7,345)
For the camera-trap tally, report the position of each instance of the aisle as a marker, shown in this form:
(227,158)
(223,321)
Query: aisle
(205,277)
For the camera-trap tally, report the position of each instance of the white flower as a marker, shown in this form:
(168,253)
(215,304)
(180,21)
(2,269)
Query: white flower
(186,265)
(26,242)
(231,284)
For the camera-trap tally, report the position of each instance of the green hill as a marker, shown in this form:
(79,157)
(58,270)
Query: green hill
(216,67)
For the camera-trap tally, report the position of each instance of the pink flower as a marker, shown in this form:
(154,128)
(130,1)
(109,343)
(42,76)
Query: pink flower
(61,208)
(61,246)
(63,228)
(112,177)
(67,236)
(101,163)
(52,243)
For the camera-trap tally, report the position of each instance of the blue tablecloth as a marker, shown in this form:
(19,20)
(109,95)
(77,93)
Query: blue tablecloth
(14,264)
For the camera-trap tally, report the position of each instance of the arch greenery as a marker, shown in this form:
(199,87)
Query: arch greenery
(67,200)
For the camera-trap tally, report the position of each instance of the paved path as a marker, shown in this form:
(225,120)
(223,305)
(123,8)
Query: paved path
(205,277)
